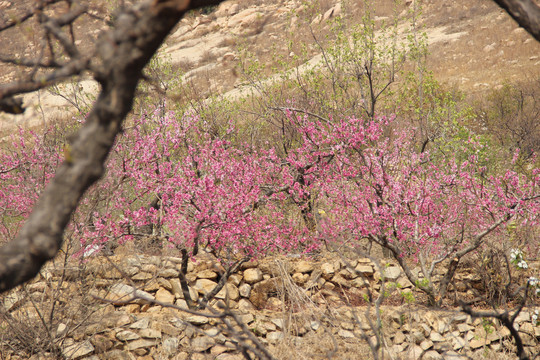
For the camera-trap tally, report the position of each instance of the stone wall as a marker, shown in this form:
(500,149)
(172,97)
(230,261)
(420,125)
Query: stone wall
(281,300)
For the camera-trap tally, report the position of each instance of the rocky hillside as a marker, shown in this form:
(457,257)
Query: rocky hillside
(474,46)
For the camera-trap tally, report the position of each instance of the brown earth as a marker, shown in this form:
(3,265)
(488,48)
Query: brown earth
(474,46)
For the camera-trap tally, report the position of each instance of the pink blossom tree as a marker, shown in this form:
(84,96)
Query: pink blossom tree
(196,187)
(424,209)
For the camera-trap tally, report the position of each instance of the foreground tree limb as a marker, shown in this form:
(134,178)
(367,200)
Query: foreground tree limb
(525,12)
(122,53)
(507,318)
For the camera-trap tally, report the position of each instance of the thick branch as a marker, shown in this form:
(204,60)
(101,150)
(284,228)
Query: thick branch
(525,12)
(123,53)
(507,319)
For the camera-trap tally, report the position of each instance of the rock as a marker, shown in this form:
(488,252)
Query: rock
(167,329)
(219,349)
(61,329)
(397,349)
(367,270)
(432,355)
(230,56)
(414,352)
(101,343)
(454,356)
(260,291)
(151,285)
(245,305)
(246,318)
(170,346)
(274,336)
(458,343)
(341,281)
(132,308)
(142,276)
(523,316)
(176,287)
(528,340)
(12,300)
(417,336)
(329,286)
(332,12)
(245,290)
(119,293)
(526,327)
(164,296)
(280,324)
(392,273)
(123,320)
(78,350)
(436,337)
(141,344)
(328,271)
(304,267)
(117,355)
(399,338)
(230,291)
(426,344)
(253,275)
(244,18)
(299,278)
(346,334)
(196,319)
(150,334)
(235,279)
(461,318)
(316,20)
(274,303)
(478,343)
(462,328)
(126,335)
(168,273)
(141,324)
(230,357)
(150,268)
(202,343)
(207,274)
(204,286)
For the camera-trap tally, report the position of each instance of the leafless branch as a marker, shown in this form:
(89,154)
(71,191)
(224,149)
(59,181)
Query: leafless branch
(121,54)
(507,318)
(28,15)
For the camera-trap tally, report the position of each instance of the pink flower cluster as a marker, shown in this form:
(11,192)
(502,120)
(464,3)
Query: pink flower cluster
(199,186)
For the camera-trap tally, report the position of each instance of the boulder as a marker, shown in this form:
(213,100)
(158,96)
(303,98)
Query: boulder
(204,286)
(304,267)
(202,343)
(119,293)
(328,271)
(78,350)
(253,275)
(165,296)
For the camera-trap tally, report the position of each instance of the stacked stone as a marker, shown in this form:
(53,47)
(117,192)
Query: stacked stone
(129,323)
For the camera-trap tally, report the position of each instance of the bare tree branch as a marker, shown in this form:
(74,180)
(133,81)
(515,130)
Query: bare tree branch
(122,53)
(525,12)
(507,319)
(28,15)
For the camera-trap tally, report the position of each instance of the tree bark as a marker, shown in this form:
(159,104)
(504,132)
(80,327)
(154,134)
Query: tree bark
(122,54)
(525,12)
